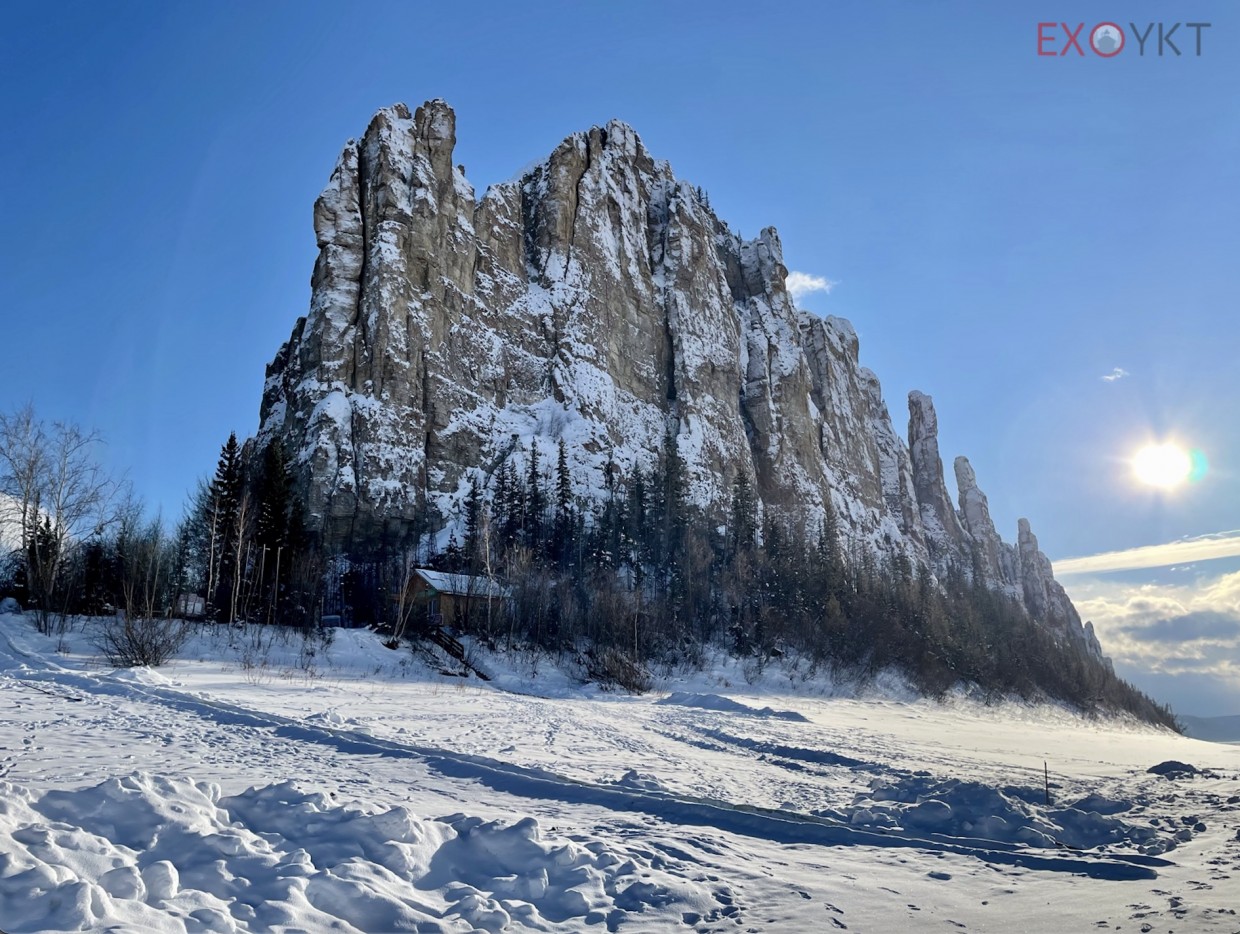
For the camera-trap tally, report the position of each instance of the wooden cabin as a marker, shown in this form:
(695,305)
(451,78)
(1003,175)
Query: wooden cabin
(454,599)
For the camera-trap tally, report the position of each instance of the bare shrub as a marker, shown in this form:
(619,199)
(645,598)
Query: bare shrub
(129,643)
(611,667)
(256,671)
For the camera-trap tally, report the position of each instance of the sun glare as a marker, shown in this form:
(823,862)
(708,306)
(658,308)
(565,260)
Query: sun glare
(1163,465)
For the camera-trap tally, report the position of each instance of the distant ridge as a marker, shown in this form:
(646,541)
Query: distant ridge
(1213,729)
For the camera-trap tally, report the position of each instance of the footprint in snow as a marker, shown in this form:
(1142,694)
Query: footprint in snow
(942,876)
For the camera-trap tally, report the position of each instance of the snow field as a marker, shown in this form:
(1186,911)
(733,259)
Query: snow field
(251,786)
(166,854)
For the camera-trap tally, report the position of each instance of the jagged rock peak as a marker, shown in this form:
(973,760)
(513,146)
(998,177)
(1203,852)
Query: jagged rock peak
(944,533)
(595,299)
(975,517)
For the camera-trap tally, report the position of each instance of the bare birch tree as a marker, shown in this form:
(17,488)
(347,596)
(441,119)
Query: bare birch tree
(56,493)
(406,599)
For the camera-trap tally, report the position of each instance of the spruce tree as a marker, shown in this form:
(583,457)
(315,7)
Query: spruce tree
(275,498)
(473,522)
(608,524)
(637,531)
(673,496)
(508,507)
(564,528)
(743,527)
(224,526)
(535,502)
(274,528)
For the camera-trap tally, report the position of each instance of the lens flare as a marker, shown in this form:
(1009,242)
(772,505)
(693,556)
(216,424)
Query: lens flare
(1200,465)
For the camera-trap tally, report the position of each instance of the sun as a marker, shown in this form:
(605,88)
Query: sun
(1164,465)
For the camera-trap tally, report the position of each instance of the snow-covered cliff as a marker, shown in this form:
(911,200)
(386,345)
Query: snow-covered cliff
(597,299)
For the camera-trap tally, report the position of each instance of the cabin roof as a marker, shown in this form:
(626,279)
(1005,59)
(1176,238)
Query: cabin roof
(462,585)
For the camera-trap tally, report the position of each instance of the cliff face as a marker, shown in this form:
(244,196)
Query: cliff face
(597,299)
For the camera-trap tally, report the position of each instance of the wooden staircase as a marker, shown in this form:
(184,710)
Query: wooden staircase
(454,648)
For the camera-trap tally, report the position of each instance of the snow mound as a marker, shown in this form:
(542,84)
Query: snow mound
(727,705)
(331,718)
(141,675)
(162,854)
(1009,814)
(1101,804)
(641,781)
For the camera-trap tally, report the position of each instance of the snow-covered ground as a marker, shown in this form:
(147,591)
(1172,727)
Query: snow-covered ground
(263,783)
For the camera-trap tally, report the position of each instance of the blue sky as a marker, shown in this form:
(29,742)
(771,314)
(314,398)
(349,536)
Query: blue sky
(1004,229)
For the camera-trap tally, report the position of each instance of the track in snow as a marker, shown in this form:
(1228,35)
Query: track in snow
(775,826)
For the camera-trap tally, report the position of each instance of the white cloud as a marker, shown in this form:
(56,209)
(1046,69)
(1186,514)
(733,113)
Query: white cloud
(801,284)
(1180,641)
(1203,548)
(1118,373)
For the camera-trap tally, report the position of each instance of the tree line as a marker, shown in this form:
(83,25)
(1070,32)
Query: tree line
(641,574)
(77,541)
(633,574)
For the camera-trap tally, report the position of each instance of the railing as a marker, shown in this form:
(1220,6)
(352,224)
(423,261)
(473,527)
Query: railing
(456,650)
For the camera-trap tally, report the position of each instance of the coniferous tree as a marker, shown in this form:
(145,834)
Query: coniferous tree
(184,579)
(473,524)
(275,533)
(275,499)
(637,533)
(743,526)
(564,527)
(501,515)
(224,521)
(535,503)
(673,493)
(609,519)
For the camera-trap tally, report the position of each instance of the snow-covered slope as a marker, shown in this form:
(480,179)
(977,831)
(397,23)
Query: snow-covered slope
(252,789)
(596,299)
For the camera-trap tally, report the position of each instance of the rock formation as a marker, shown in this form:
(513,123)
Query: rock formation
(598,299)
